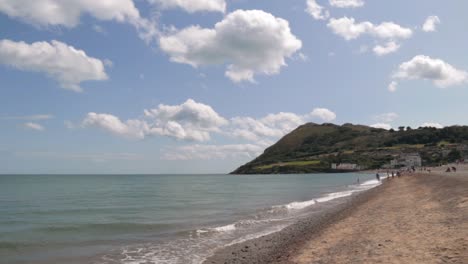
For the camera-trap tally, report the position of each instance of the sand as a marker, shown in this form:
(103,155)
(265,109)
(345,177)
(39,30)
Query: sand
(418,218)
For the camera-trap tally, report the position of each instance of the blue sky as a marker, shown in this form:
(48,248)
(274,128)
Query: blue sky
(202,86)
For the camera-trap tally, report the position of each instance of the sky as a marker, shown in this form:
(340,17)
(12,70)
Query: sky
(203,86)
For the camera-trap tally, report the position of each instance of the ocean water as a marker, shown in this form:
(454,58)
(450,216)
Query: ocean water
(153,218)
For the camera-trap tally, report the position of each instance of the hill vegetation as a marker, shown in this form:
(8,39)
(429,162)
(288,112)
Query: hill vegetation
(313,148)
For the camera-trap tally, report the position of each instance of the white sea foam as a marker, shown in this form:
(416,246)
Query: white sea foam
(257,235)
(300,205)
(370,182)
(226,228)
(336,195)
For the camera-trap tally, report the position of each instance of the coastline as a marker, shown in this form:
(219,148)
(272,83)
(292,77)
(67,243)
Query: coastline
(280,246)
(424,213)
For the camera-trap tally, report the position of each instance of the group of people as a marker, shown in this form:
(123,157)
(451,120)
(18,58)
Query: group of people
(389,175)
(452,169)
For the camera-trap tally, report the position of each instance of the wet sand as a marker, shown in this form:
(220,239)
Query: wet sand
(418,218)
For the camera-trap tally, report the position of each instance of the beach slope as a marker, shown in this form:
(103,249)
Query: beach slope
(418,218)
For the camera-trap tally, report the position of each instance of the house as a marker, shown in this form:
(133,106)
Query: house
(407,160)
(345,166)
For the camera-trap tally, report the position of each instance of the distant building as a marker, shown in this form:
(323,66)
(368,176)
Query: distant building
(345,166)
(407,160)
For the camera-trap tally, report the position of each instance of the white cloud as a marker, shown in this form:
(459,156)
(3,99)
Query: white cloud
(214,152)
(392,87)
(317,11)
(388,48)
(432,124)
(438,71)
(386,117)
(192,6)
(28,117)
(431,23)
(33,126)
(131,129)
(347,3)
(189,121)
(274,126)
(194,121)
(323,114)
(349,29)
(45,13)
(382,126)
(250,42)
(270,126)
(67,65)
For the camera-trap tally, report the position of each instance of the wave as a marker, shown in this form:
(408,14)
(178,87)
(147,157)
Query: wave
(226,228)
(335,195)
(300,205)
(371,182)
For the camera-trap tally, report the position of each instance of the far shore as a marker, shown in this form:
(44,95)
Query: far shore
(417,218)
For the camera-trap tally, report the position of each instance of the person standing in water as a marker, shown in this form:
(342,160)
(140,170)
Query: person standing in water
(377,176)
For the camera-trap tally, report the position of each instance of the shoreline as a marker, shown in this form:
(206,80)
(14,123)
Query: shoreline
(347,233)
(278,247)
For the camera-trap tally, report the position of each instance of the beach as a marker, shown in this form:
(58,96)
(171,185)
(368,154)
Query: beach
(418,218)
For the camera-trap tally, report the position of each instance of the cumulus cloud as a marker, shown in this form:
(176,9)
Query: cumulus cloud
(249,42)
(432,124)
(323,114)
(188,121)
(317,11)
(423,67)
(388,48)
(347,3)
(193,121)
(386,117)
(270,126)
(275,125)
(382,126)
(210,152)
(45,13)
(192,6)
(130,129)
(33,126)
(431,23)
(349,29)
(64,63)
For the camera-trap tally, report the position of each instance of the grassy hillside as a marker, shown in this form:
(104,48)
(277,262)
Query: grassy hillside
(313,148)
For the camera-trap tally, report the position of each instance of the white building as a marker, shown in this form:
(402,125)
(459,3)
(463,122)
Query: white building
(407,160)
(345,166)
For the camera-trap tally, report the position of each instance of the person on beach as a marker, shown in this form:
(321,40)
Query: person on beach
(377,176)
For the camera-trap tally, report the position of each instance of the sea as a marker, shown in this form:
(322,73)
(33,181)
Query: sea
(133,219)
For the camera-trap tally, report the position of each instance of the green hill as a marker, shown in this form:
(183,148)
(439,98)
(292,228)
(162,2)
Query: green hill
(313,148)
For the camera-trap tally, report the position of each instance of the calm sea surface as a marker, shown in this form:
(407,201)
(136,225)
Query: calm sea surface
(152,218)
